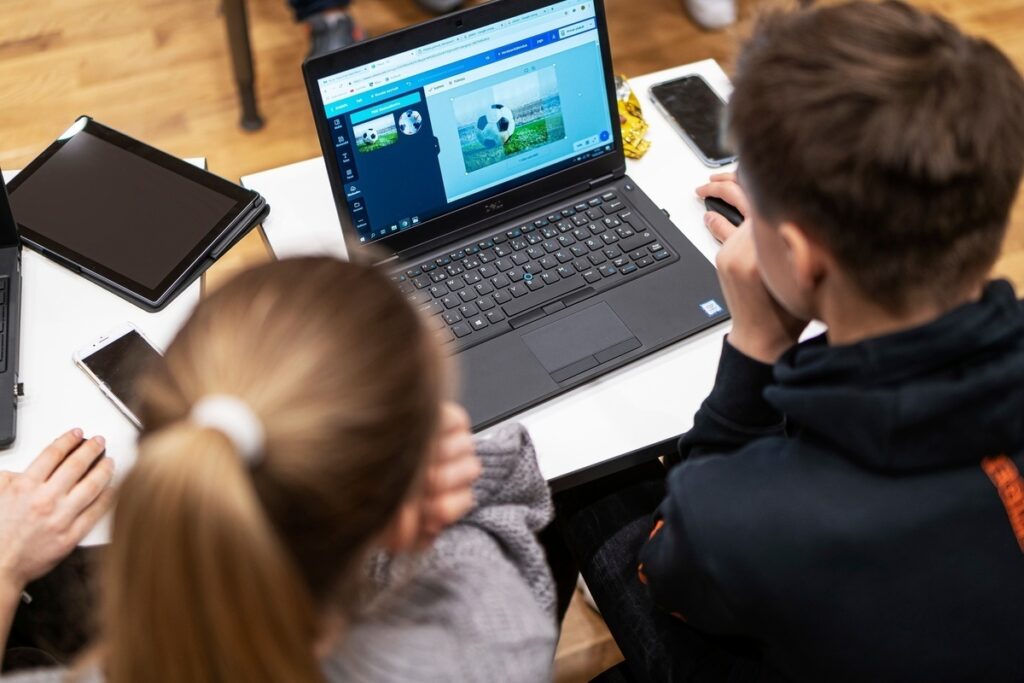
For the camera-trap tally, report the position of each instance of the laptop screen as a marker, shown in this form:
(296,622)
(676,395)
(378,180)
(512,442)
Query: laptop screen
(423,132)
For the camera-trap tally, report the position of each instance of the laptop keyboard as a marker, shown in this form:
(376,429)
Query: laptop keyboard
(4,294)
(514,277)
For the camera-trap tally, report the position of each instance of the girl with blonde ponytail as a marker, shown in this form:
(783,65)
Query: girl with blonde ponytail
(306,507)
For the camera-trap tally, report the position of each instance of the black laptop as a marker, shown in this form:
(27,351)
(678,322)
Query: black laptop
(10,317)
(479,158)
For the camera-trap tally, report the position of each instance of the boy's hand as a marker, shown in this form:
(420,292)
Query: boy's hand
(47,510)
(761,328)
(451,471)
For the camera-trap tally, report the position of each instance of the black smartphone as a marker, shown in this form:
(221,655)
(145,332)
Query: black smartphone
(697,112)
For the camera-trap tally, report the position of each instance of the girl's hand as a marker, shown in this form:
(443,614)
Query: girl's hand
(47,510)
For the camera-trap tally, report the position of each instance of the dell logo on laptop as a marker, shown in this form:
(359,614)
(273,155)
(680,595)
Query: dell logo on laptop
(494,206)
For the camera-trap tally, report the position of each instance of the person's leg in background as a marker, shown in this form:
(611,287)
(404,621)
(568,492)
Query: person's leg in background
(331,27)
(604,524)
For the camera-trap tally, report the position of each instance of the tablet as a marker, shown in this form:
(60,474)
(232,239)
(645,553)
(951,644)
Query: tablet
(133,219)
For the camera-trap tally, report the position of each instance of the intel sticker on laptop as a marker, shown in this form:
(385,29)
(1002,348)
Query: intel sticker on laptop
(711,308)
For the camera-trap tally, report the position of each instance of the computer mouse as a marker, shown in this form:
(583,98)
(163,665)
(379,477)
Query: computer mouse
(731,213)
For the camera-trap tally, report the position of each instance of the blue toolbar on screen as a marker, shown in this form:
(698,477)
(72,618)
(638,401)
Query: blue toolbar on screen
(424,132)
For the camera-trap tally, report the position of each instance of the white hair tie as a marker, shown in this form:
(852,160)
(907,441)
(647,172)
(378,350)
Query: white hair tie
(232,417)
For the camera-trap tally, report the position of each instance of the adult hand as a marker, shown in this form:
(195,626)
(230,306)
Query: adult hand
(451,471)
(47,510)
(761,328)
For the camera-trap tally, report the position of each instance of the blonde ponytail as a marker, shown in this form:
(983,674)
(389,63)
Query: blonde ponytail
(220,568)
(198,587)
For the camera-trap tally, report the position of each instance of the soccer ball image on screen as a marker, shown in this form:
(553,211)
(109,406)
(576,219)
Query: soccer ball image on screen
(369,136)
(495,126)
(410,122)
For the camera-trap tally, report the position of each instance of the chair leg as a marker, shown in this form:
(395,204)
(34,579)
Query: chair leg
(237,24)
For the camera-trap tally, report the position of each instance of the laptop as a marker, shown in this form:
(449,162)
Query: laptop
(10,318)
(479,158)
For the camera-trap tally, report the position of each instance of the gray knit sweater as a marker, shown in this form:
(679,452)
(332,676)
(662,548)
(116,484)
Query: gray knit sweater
(479,606)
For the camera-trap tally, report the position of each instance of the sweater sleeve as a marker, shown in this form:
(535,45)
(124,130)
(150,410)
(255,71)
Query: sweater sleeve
(479,605)
(735,412)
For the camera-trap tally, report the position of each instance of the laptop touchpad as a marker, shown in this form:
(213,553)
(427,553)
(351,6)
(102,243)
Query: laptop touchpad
(581,341)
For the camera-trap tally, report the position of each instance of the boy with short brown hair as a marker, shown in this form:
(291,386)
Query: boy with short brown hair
(850,507)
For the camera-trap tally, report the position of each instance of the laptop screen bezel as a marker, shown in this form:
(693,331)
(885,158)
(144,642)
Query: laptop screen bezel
(492,208)
(8,226)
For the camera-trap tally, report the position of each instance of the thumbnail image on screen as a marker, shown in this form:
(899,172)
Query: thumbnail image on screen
(509,118)
(376,133)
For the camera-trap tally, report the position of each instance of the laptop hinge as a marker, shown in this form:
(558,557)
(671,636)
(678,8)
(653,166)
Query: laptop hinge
(602,180)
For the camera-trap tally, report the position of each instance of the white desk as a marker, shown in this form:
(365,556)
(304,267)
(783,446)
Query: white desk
(645,402)
(60,313)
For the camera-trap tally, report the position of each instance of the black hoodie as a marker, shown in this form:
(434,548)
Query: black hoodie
(857,511)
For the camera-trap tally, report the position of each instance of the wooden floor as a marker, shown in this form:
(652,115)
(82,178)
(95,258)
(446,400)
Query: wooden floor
(160,70)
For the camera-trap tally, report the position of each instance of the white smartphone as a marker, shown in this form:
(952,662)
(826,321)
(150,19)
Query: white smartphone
(115,361)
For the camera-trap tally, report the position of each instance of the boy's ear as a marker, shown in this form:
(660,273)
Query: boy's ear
(807,259)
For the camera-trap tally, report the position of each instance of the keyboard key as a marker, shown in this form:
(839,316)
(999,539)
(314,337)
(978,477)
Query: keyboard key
(534,284)
(568,212)
(478,323)
(461,329)
(581,234)
(442,261)
(640,239)
(594,201)
(454,269)
(549,232)
(550,246)
(528,228)
(433,308)
(439,276)
(580,207)
(438,290)
(627,217)
(533,268)
(624,232)
(486,244)
(470,263)
(581,219)
(620,261)
(610,222)
(566,239)
(645,261)
(450,301)
(548,262)
(517,290)
(578,250)
(499,239)
(627,269)
(502,250)
(608,196)
(502,296)
(566,226)
(609,238)
(485,303)
(612,207)
(427,267)
(414,272)
(454,284)
(519,243)
(514,233)
(580,265)
(659,255)
(472,278)
(596,228)
(608,270)
(519,258)
(535,252)
(654,247)
(500,281)
(504,264)
(451,317)
(597,258)
(495,316)
(488,271)
(612,252)
(593,243)
(554,218)
(550,277)
(566,271)
(468,310)
(591,276)
(534,237)
(473,249)
(563,256)
(483,288)
(595,214)
(638,254)
(467,294)
(486,256)
(515,275)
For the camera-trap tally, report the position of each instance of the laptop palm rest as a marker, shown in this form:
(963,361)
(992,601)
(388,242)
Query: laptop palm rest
(581,341)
